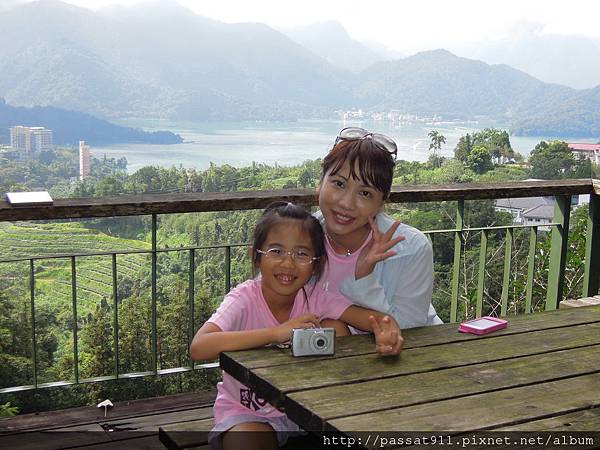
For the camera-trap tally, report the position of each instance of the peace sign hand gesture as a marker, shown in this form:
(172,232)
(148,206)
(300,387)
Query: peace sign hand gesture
(388,338)
(378,249)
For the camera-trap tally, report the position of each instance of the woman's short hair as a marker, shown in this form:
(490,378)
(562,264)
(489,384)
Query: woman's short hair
(375,166)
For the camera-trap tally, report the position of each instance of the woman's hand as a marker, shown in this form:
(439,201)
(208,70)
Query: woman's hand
(283,332)
(378,249)
(388,338)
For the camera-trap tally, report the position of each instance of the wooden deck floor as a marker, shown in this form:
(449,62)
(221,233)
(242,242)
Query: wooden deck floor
(128,425)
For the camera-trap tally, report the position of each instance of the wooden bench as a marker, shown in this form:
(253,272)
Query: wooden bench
(129,424)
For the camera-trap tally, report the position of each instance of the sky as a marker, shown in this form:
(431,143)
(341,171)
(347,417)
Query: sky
(406,26)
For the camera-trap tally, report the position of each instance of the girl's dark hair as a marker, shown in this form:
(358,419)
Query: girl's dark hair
(276,213)
(375,166)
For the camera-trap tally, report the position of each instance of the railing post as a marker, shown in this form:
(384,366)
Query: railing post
(74,295)
(481,274)
(227,269)
(115,314)
(153,299)
(591,280)
(506,273)
(191,291)
(530,268)
(558,251)
(460,213)
(33,336)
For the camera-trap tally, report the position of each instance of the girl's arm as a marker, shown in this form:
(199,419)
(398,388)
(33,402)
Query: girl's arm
(388,337)
(210,340)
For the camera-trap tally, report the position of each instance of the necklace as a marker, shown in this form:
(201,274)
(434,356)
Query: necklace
(347,251)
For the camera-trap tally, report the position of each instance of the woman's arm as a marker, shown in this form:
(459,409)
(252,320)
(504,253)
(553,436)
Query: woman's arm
(210,340)
(402,286)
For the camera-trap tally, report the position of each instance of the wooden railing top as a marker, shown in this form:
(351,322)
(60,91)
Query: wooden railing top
(133,205)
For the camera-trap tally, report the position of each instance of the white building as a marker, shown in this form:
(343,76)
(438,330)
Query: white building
(537,211)
(586,151)
(28,142)
(85,160)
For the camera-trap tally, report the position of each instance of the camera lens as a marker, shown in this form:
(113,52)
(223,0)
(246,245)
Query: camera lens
(321,343)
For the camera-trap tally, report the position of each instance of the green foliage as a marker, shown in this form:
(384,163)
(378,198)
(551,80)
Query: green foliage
(552,160)
(435,146)
(6,410)
(479,160)
(479,150)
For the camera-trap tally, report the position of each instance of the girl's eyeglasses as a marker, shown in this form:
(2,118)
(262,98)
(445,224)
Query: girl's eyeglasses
(358,134)
(277,254)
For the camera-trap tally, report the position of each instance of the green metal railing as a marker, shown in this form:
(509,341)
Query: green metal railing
(182,203)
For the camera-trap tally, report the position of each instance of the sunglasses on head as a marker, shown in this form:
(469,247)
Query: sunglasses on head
(358,134)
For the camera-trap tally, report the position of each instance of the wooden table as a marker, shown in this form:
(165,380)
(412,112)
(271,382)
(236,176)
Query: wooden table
(541,373)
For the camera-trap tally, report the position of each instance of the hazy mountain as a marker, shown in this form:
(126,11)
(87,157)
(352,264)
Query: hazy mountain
(161,60)
(331,41)
(569,60)
(158,60)
(438,82)
(69,127)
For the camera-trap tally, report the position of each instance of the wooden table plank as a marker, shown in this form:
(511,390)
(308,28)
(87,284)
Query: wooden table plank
(483,411)
(320,373)
(311,408)
(425,336)
(586,420)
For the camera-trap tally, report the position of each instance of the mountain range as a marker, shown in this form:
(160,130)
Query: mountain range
(69,127)
(161,60)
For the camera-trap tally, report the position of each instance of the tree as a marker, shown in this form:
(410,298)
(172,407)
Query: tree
(551,161)
(479,160)
(463,148)
(435,146)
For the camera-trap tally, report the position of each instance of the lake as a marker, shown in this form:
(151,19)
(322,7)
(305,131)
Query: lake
(241,143)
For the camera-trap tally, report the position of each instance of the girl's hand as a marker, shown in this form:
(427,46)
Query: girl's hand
(388,338)
(378,249)
(283,332)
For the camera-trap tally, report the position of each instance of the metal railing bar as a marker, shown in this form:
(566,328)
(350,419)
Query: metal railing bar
(458,238)
(506,273)
(120,252)
(74,296)
(33,334)
(481,274)
(115,315)
(227,269)
(153,298)
(530,269)
(191,296)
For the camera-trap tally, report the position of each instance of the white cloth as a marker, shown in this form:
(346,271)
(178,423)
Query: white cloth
(401,285)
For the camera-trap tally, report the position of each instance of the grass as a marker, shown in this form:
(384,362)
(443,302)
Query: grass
(53,277)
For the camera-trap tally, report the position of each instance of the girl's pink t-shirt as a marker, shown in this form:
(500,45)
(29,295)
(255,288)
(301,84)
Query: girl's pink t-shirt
(245,308)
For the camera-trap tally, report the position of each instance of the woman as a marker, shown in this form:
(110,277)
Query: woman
(386,264)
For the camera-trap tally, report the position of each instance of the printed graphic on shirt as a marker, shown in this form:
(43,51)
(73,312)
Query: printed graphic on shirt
(250,400)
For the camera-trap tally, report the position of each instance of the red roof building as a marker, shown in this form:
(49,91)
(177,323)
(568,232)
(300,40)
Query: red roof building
(586,150)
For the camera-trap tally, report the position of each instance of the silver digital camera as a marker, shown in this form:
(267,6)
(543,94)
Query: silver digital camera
(313,341)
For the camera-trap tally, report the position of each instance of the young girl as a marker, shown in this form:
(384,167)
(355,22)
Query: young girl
(383,264)
(289,250)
